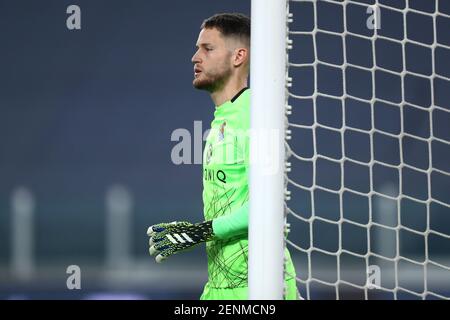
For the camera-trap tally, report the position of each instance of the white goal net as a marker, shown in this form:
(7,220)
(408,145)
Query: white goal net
(369,148)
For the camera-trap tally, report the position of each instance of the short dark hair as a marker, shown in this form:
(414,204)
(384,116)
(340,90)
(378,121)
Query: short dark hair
(230,24)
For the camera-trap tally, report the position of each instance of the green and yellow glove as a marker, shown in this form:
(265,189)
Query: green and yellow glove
(167,239)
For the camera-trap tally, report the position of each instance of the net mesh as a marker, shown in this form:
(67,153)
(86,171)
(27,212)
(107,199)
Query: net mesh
(368,145)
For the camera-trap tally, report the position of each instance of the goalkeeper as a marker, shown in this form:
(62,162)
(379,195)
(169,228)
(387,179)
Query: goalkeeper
(221,67)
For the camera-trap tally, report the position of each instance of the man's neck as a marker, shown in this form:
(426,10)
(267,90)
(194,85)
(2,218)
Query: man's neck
(221,96)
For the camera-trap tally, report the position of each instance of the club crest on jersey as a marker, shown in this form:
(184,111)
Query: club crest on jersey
(209,154)
(221,135)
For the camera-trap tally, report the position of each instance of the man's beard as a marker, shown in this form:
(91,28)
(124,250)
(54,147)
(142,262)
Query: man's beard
(212,82)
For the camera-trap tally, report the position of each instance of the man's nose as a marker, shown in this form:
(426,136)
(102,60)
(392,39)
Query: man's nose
(195,59)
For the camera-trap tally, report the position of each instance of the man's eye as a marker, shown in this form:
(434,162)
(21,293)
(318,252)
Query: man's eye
(208,49)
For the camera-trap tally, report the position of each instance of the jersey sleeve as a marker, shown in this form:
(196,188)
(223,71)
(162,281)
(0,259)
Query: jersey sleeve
(232,225)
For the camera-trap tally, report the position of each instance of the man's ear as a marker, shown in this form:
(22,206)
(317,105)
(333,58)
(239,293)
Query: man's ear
(240,56)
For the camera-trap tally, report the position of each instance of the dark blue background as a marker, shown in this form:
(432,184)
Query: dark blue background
(83,110)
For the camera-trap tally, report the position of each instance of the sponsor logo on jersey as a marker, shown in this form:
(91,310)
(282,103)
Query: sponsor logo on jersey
(213,175)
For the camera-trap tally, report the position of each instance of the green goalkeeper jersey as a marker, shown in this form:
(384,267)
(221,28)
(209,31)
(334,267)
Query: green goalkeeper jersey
(225,188)
(225,191)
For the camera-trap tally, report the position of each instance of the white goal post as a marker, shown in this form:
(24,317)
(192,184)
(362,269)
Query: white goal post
(268,96)
(358,93)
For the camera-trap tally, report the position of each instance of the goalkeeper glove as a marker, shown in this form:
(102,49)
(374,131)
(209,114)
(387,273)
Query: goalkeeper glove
(167,239)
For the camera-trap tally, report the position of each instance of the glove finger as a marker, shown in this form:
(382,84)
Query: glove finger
(157,249)
(155,239)
(160,258)
(161,246)
(159,235)
(156,228)
(152,250)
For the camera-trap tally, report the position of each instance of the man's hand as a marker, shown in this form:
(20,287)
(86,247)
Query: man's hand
(167,239)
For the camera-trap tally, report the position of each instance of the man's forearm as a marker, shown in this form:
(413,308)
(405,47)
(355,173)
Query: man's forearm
(234,224)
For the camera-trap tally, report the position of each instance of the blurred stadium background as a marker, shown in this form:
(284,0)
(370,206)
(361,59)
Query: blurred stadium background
(85,124)
(84,111)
